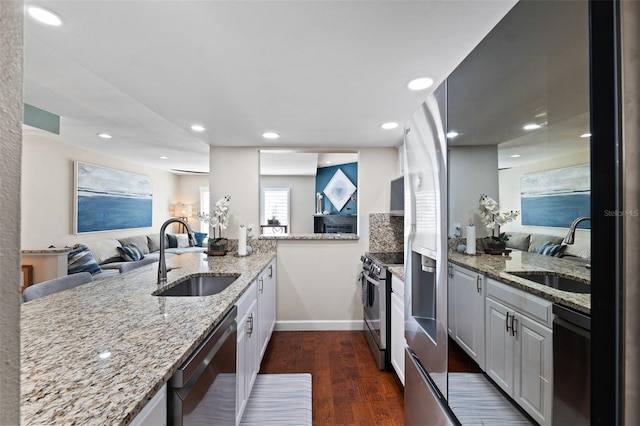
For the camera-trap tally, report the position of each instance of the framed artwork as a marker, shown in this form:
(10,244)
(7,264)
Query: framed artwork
(107,199)
(556,197)
(339,189)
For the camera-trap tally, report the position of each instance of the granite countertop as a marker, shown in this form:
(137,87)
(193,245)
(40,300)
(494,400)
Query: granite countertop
(97,353)
(309,237)
(499,268)
(398,271)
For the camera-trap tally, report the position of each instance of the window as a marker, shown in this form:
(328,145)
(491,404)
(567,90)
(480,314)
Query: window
(275,208)
(204,207)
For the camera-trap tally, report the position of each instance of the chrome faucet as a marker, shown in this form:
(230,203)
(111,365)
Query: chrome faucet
(569,239)
(162,267)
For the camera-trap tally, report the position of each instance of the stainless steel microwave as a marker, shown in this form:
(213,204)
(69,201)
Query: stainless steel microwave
(397,197)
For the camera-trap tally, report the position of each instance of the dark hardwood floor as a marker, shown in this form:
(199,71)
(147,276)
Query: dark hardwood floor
(347,387)
(459,361)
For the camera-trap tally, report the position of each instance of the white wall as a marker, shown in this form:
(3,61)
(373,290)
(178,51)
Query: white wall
(47,192)
(473,171)
(189,193)
(235,172)
(509,180)
(11,55)
(317,285)
(302,199)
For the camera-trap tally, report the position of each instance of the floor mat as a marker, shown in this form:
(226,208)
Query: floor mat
(279,399)
(475,401)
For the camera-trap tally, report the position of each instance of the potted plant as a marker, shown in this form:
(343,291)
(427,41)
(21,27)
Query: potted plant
(493,219)
(217,244)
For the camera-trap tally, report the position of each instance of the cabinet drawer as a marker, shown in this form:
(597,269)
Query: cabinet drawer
(247,298)
(530,305)
(397,285)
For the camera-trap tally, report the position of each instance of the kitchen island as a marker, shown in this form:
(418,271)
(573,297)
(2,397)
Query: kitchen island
(501,268)
(96,354)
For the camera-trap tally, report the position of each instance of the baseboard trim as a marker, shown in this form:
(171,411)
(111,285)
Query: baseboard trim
(318,325)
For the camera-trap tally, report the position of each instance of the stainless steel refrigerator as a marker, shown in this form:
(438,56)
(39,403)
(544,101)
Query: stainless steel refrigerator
(425,265)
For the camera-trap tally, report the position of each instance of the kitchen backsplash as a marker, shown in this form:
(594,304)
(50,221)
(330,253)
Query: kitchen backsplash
(386,232)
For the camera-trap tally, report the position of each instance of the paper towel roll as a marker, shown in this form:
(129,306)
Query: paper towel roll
(242,241)
(471,239)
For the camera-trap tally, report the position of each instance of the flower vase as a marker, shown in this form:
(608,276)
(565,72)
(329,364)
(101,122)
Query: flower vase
(494,244)
(217,247)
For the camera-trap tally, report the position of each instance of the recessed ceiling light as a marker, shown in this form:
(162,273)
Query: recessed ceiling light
(104,135)
(327,162)
(452,134)
(162,157)
(585,135)
(270,135)
(420,83)
(532,126)
(389,125)
(45,16)
(515,156)
(104,355)
(197,128)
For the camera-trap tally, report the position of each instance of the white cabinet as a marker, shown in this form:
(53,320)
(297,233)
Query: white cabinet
(398,342)
(466,305)
(256,320)
(266,305)
(247,363)
(519,355)
(155,412)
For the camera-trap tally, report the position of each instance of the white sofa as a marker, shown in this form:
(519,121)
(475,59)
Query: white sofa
(534,242)
(109,258)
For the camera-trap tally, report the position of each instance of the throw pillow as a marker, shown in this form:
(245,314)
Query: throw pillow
(183,240)
(173,241)
(131,252)
(80,259)
(199,237)
(549,249)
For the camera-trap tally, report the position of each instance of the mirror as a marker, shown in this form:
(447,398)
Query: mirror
(518,109)
(306,192)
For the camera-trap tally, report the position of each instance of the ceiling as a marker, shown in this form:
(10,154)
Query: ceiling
(321,73)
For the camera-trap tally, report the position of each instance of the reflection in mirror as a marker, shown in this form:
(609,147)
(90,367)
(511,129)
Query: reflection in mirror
(518,118)
(304,192)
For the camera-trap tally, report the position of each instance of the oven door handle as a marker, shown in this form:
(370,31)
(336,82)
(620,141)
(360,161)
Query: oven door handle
(372,281)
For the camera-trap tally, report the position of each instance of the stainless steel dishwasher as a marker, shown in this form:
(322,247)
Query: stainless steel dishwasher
(571,367)
(203,390)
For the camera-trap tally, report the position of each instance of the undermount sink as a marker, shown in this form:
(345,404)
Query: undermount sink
(554,281)
(199,286)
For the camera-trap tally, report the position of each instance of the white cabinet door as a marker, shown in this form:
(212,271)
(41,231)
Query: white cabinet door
(266,306)
(499,363)
(241,370)
(533,385)
(247,348)
(398,342)
(155,412)
(519,359)
(468,307)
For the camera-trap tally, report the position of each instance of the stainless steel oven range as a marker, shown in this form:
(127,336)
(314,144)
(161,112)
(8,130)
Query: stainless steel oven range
(376,302)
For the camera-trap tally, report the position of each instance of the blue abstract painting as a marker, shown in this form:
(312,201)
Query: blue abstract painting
(556,197)
(108,199)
